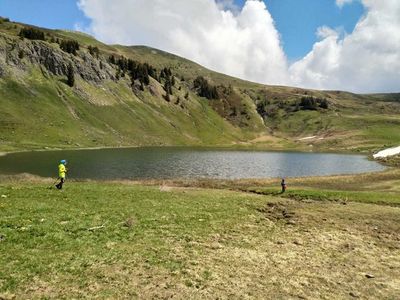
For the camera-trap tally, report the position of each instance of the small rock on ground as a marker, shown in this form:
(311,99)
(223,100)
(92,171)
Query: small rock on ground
(354,295)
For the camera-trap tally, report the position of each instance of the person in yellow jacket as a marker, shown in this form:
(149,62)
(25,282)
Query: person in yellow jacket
(62,171)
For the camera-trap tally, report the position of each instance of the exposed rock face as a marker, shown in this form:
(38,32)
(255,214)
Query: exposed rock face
(17,52)
(54,61)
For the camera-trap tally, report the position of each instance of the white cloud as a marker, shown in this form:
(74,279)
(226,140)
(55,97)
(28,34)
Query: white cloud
(341,3)
(241,43)
(367,60)
(245,43)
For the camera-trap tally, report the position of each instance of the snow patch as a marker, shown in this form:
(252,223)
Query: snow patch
(308,138)
(387,152)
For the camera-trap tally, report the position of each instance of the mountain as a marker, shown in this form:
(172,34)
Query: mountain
(63,89)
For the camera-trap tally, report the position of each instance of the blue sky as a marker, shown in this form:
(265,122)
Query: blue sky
(296,20)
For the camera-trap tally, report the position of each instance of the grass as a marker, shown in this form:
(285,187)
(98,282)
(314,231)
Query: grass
(378,188)
(344,197)
(125,240)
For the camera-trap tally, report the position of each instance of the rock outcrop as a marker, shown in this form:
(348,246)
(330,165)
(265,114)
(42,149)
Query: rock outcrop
(20,53)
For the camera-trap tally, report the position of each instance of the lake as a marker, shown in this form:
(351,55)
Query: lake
(182,162)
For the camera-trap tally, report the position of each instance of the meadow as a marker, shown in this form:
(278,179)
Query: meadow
(201,239)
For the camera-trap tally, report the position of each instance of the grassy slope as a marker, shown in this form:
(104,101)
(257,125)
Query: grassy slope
(48,113)
(113,240)
(38,112)
(354,122)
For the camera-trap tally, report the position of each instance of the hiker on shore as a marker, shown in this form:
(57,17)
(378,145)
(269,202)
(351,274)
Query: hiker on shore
(62,171)
(283,185)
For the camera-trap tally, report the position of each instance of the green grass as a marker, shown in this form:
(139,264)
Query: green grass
(47,234)
(388,198)
(118,240)
(36,116)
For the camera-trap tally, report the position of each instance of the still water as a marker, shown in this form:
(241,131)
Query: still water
(160,163)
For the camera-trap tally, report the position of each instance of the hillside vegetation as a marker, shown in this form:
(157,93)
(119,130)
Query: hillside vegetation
(62,89)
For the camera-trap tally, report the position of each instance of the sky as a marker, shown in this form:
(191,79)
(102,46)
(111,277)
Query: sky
(349,45)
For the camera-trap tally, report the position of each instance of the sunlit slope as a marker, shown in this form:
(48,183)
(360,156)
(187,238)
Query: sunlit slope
(106,107)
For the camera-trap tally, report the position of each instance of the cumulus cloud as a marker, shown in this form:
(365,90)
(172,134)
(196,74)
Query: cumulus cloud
(367,60)
(244,42)
(239,42)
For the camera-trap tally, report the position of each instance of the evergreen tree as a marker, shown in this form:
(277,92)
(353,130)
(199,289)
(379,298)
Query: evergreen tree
(70,75)
(32,33)
(69,46)
(204,89)
(111,59)
(94,51)
(324,104)
(21,54)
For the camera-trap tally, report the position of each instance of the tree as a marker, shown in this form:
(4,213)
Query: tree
(94,51)
(70,75)
(32,33)
(111,59)
(69,46)
(204,89)
(21,54)
(168,87)
(308,103)
(324,104)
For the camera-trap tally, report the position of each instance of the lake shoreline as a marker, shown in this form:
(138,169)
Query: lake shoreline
(237,147)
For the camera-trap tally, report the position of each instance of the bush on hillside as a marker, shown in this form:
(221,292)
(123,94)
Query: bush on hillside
(69,46)
(136,70)
(94,51)
(4,20)
(204,89)
(70,75)
(32,33)
(311,103)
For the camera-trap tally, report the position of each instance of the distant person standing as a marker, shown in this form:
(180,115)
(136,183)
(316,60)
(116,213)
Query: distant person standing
(283,185)
(62,171)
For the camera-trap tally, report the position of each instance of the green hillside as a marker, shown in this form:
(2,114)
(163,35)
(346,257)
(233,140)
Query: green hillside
(135,96)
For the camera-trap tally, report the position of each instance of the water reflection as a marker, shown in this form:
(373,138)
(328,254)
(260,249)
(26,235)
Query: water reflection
(144,163)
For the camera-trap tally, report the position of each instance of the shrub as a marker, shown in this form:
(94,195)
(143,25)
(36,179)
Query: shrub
(324,104)
(21,54)
(311,103)
(94,51)
(69,46)
(70,75)
(111,59)
(308,103)
(32,33)
(204,89)
(4,20)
